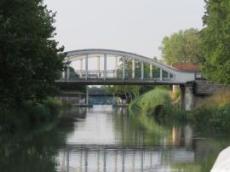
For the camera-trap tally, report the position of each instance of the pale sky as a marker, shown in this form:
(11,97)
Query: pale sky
(136,26)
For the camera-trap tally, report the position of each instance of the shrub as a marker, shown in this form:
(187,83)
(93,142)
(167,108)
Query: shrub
(158,104)
(30,114)
(216,118)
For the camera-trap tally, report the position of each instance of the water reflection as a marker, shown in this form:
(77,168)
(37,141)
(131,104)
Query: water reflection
(104,139)
(35,151)
(110,140)
(113,158)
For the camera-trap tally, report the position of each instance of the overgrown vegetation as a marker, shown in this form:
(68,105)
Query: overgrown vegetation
(155,107)
(31,115)
(213,113)
(158,106)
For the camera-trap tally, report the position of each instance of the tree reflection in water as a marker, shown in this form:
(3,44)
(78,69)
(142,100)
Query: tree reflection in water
(33,151)
(203,148)
(41,150)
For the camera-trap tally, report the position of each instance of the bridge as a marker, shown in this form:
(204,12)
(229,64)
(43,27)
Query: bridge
(110,67)
(113,67)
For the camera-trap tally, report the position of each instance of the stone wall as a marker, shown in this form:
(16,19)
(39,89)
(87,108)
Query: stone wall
(207,88)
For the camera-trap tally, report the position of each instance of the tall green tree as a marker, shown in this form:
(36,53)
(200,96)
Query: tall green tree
(30,59)
(182,47)
(216,41)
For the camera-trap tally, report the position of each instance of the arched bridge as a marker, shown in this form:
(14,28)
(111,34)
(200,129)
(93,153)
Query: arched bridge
(110,67)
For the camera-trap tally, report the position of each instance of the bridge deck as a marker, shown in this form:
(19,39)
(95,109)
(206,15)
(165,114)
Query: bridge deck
(115,82)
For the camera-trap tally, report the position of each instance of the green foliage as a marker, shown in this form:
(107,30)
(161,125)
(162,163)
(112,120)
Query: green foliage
(129,91)
(29,58)
(182,47)
(153,98)
(31,115)
(216,119)
(157,104)
(213,113)
(216,41)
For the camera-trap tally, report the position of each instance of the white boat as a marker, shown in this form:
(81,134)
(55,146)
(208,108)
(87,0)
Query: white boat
(222,163)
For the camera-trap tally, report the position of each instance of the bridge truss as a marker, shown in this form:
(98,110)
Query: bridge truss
(103,66)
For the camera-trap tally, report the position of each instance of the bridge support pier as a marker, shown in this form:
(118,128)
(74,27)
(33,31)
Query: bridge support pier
(187,96)
(66,73)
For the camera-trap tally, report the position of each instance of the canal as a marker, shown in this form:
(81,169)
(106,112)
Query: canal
(107,139)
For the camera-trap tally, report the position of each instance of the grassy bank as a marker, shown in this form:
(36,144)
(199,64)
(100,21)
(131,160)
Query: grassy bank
(160,104)
(31,115)
(148,109)
(158,107)
(213,114)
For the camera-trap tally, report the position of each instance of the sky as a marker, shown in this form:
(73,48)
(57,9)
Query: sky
(136,26)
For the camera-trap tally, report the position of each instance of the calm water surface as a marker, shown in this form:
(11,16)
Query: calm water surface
(106,139)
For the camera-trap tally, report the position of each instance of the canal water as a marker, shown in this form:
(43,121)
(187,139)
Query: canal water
(107,139)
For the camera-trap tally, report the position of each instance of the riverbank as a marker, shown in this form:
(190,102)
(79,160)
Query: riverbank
(213,113)
(31,115)
(163,108)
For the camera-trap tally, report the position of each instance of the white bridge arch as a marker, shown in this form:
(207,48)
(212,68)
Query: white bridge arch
(105,66)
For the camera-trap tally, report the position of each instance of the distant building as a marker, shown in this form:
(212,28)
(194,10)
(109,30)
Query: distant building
(189,67)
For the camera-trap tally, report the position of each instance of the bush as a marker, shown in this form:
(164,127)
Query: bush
(214,113)
(30,114)
(53,104)
(216,118)
(158,104)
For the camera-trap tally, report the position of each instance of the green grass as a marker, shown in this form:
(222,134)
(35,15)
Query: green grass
(150,100)
(143,108)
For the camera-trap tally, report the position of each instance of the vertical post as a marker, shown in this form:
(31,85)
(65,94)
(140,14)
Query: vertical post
(151,71)
(116,66)
(86,66)
(168,76)
(161,75)
(123,68)
(142,70)
(188,97)
(63,74)
(182,99)
(133,69)
(98,66)
(105,66)
(87,96)
(81,67)
(68,72)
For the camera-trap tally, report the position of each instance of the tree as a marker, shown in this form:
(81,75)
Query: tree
(29,58)
(129,91)
(182,47)
(216,41)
